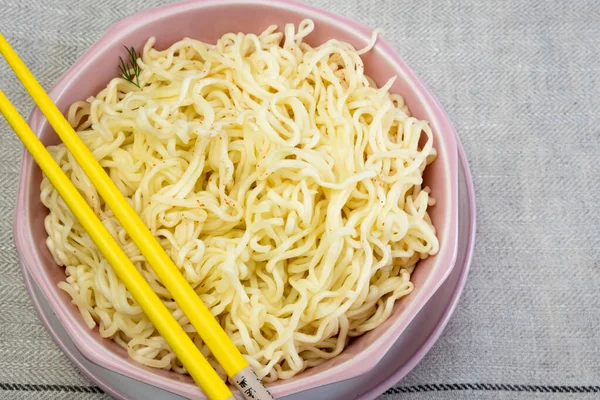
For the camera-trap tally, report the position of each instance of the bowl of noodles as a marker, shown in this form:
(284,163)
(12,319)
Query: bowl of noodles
(300,175)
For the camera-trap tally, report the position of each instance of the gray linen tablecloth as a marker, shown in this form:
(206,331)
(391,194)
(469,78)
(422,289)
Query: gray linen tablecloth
(521,81)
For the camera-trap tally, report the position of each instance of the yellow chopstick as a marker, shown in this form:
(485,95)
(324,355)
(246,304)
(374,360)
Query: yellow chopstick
(221,346)
(171,331)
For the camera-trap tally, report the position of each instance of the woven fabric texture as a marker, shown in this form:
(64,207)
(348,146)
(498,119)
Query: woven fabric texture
(521,82)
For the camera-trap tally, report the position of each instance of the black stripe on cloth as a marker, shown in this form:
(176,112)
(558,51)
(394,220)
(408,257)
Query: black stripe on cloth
(434,387)
(20,387)
(493,387)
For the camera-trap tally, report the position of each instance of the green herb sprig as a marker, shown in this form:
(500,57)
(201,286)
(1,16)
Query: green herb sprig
(130,71)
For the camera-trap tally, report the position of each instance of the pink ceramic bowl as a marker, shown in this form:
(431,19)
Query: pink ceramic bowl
(207,21)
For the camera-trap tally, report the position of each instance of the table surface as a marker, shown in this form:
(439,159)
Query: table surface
(521,81)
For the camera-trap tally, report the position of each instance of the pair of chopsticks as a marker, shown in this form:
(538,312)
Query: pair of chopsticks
(221,346)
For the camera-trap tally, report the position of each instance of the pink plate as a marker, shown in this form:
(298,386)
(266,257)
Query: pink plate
(196,19)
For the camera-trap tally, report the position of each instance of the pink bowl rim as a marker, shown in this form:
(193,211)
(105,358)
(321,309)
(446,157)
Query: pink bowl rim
(365,360)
